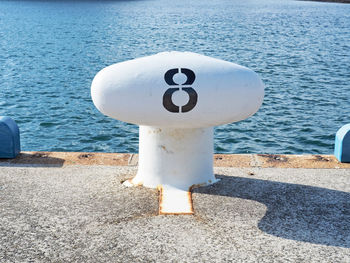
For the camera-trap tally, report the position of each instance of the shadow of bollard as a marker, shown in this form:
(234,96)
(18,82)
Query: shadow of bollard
(297,212)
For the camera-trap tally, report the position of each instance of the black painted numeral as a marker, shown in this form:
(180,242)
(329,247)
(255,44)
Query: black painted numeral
(167,97)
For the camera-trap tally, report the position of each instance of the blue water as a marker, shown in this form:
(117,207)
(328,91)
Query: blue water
(51,50)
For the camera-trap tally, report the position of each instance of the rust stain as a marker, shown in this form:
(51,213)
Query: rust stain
(190,198)
(177,134)
(189,195)
(165,149)
(160,197)
(158,130)
(197,186)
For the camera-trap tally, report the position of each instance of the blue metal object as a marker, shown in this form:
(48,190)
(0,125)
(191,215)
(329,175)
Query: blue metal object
(9,138)
(342,144)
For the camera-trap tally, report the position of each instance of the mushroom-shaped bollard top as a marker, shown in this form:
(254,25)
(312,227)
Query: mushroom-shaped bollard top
(177,89)
(176,98)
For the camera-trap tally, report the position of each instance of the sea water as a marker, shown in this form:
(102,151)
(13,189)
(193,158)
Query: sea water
(51,50)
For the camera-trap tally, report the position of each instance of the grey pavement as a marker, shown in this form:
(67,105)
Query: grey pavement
(84,214)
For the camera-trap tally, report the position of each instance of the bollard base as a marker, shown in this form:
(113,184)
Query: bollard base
(176,157)
(174,160)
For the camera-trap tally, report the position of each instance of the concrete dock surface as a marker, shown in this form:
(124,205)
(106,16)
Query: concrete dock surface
(72,207)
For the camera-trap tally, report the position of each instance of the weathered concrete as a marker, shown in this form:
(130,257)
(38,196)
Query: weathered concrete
(59,159)
(79,213)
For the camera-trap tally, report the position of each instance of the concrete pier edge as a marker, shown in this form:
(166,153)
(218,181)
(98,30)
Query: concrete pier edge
(59,159)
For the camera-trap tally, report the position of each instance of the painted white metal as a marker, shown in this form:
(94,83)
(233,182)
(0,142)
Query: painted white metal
(132,91)
(175,201)
(176,98)
(176,157)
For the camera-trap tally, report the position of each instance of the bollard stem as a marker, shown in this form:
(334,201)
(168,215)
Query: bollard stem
(178,158)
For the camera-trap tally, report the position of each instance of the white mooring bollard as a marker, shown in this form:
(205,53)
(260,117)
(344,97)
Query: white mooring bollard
(176,98)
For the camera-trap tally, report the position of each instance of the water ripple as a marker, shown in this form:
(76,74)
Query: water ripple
(50,51)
